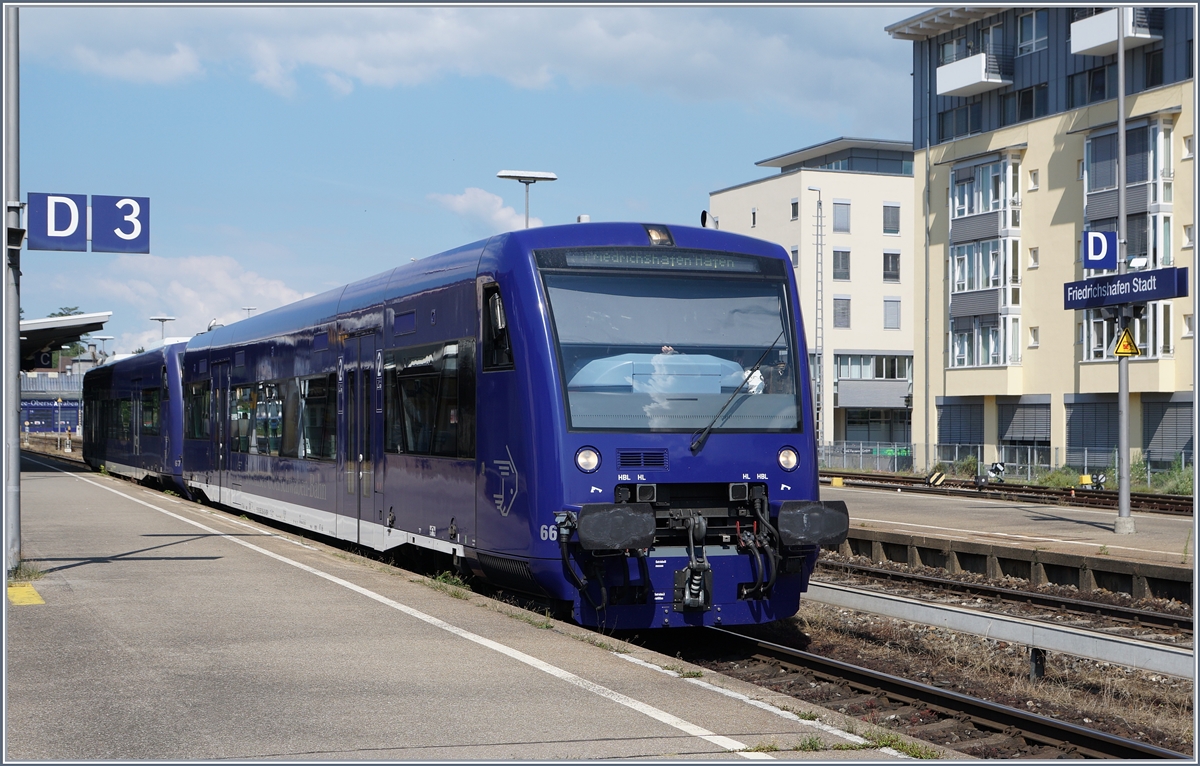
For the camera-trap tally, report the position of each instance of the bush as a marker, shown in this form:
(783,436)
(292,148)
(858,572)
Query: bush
(966,466)
(1063,477)
(1175,481)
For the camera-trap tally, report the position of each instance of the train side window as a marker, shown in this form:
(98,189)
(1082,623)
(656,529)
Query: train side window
(124,418)
(241,425)
(419,402)
(289,391)
(466,398)
(497,346)
(268,419)
(320,417)
(393,421)
(196,404)
(445,439)
(150,414)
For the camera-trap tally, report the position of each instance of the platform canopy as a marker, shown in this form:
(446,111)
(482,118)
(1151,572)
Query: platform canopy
(40,336)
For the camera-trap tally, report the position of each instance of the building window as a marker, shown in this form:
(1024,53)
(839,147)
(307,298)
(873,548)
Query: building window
(1033,337)
(881,367)
(753,217)
(795,209)
(1033,180)
(1026,104)
(891,313)
(891,219)
(1032,32)
(1187,325)
(1089,87)
(1187,147)
(1033,257)
(963,121)
(795,256)
(841,216)
(976,266)
(1189,236)
(841,312)
(891,267)
(1154,68)
(841,265)
(1080,168)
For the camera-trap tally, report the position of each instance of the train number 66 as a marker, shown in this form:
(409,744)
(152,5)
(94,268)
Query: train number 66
(549,532)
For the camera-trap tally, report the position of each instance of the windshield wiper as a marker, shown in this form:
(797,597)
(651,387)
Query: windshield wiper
(702,436)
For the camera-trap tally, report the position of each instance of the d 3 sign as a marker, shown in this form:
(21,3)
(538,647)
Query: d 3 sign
(1100,250)
(112,224)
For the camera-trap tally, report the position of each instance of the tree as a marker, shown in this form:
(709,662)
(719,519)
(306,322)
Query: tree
(139,350)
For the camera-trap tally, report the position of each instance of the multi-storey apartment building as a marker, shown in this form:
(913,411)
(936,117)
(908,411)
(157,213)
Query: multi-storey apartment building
(1014,127)
(863,280)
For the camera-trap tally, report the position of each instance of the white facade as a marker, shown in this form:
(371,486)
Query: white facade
(866,327)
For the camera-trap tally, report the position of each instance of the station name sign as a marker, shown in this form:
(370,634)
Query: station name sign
(1134,287)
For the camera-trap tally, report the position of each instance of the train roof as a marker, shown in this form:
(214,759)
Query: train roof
(458,264)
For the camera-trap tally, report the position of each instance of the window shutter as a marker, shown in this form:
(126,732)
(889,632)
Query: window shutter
(841,216)
(891,219)
(960,424)
(841,312)
(891,315)
(1102,173)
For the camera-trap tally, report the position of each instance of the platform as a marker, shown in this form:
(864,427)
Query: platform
(172,631)
(1045,543)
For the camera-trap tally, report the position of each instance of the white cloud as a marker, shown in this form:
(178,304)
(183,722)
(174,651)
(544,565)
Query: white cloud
(814,60)
(195,290)
(137,65)
(486,208)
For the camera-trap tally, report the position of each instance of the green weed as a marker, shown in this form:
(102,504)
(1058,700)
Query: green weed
(25,571)
(811,744)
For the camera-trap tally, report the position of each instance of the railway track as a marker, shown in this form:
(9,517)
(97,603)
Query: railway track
(1059,604)
(968,724)
(1177,505)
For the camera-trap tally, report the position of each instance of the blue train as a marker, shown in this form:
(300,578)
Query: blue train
(611,416)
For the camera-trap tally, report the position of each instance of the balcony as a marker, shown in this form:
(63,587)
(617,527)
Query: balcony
(1096,35)
(972,72)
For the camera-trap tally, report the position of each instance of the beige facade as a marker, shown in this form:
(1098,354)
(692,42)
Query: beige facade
(867,275)
(1048,355)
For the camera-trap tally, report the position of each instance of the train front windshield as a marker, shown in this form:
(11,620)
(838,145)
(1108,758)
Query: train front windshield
(664,351)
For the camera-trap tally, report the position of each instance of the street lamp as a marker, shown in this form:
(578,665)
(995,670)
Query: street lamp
(820,319)
(162,325)
(102,338)
(527,177)
(248,309)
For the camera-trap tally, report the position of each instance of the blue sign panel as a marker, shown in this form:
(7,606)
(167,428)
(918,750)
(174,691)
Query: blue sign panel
(57,222)
(120,224)
(1100,250)
(1134,287)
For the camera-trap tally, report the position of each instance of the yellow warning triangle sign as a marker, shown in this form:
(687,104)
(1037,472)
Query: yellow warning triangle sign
(1125,345)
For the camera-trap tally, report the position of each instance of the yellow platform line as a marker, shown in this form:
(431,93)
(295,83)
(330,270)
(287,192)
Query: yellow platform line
(23,594)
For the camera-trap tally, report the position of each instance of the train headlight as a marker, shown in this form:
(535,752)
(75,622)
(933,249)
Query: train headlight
(788,459)
(587,459)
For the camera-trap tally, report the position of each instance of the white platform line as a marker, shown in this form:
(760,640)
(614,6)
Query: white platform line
(659,715)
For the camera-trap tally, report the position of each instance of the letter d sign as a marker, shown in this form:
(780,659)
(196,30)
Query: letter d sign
(58,222)
(1100,250)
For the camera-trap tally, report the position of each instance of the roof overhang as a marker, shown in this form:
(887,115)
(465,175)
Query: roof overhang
(937,21)
(44,335)
(836,145)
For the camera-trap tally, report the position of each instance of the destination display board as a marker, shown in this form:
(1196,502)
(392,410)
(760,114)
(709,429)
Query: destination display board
(1134,287)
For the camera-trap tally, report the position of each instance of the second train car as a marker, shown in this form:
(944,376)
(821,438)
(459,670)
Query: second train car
(616,416)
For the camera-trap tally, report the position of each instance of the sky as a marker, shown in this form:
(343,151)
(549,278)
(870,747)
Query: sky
(287,151)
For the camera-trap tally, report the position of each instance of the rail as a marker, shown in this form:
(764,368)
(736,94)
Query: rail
(1034,729)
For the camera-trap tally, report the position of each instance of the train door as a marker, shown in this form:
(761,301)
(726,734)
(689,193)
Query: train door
(360,502)
(220,431)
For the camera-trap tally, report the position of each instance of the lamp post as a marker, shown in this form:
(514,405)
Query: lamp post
(527,177)
(162,325)
(820,318)
(102,339)
(249,309)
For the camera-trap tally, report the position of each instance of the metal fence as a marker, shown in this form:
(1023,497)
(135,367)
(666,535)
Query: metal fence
(891,457)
